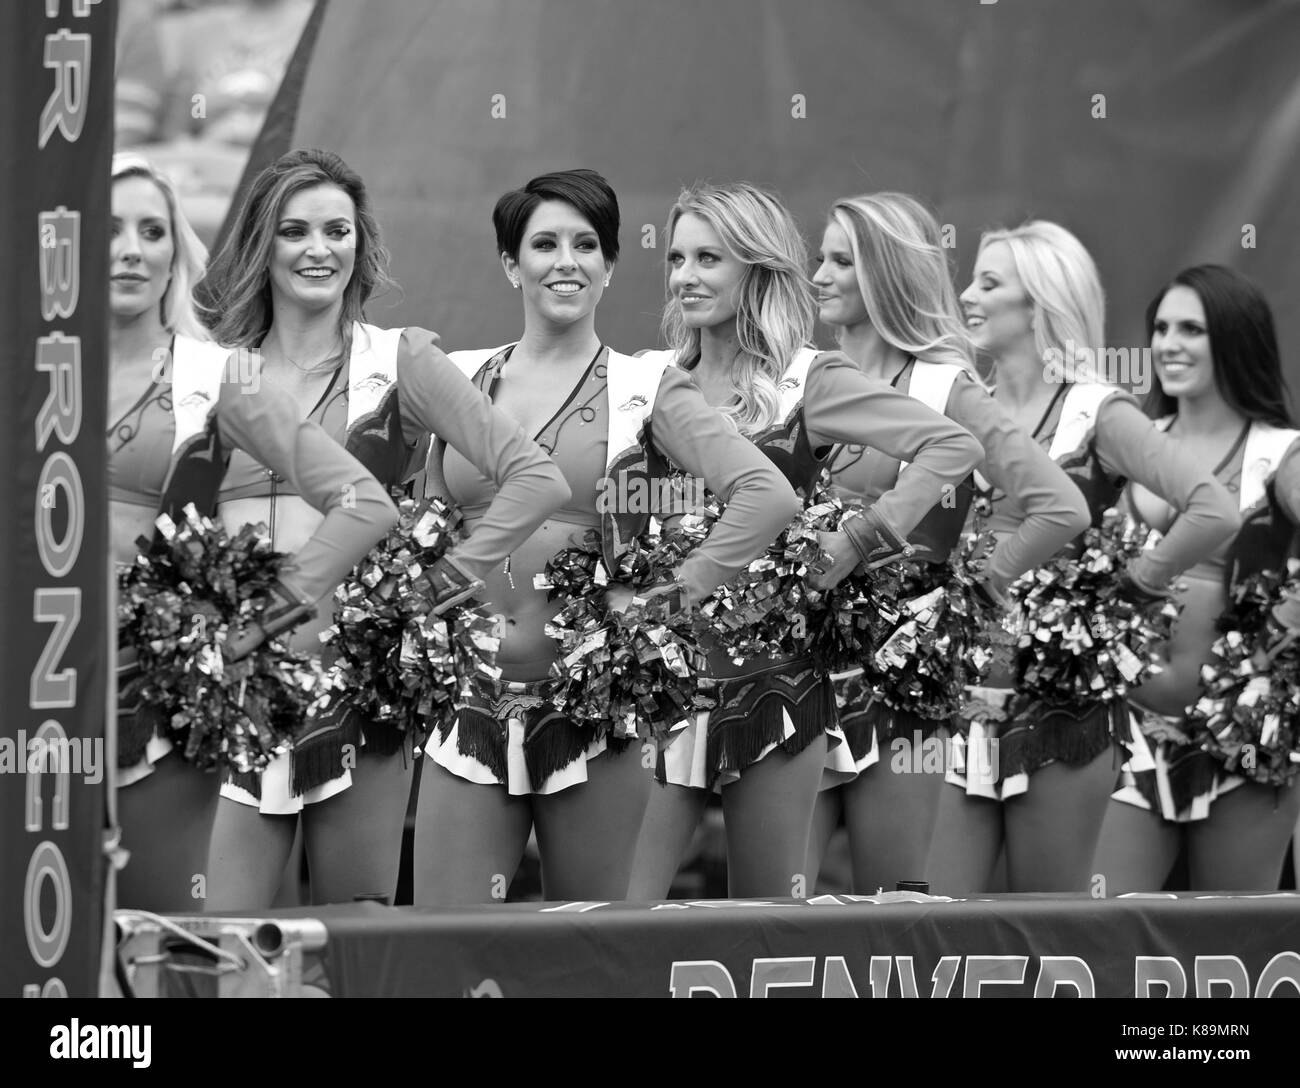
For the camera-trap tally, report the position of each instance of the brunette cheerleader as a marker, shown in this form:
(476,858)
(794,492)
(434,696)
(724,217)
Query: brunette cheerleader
(509,762)
(1220,393)
(179,408)
(291,283)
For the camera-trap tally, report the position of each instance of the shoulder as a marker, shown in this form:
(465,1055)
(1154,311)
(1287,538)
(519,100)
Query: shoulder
(471,360)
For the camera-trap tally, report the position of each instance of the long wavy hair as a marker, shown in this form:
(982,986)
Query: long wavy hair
(776,311)
(176,309)
(236,293)
(904,276)
(1247,363)
(1061,280)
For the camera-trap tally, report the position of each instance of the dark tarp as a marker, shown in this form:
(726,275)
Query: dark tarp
(985,111)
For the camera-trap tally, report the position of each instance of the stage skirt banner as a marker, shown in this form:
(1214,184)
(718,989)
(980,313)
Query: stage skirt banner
(56,134)
(829,946)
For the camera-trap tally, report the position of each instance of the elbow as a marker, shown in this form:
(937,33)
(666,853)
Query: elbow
(1078,517)
(558,491)
(971,449)
(790,501)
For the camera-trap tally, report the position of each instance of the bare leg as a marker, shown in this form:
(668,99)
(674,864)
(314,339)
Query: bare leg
(1241,845)
(248,856)
(967,841)
(587,834)
(1137,850)
(166,822)
(769,815)
(891,817)
(354,839)
(1052,830)
(468,839)
(826,818)
(671,816)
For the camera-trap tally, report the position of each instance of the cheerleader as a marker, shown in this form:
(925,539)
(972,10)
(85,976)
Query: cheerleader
(1035,305)
(883,283)
(740,318)
(304,257)
(507,763)
(178,411)
(1220,392)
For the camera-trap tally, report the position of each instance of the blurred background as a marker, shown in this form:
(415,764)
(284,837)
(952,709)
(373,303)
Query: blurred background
(1163,134)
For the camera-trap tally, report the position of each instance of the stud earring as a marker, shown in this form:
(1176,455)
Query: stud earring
(606,281)
(514,283)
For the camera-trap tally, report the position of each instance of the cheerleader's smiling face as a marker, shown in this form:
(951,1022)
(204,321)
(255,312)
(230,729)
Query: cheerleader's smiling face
(315,248)
(839,295)
(998,312)
(1180,345)
(141,249)
(561,268)
(705,277)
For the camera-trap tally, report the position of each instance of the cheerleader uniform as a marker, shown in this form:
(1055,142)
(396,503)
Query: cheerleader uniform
(172,447)
(1167,773)
(396,389)
(622,423)
(1100,437)
(787,702)
(1054,514)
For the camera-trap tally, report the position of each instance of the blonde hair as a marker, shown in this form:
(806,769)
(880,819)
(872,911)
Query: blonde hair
(189,255)
(904,278)
(1061,280)
(776,310)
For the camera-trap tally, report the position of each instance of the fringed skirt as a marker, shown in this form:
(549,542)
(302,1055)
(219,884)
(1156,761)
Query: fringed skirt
(509,734)
(142,740)
(871,726)
(318,766)
(786,705)
(1169,775)
(999,747)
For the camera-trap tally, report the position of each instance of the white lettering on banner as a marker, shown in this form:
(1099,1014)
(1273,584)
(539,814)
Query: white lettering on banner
(1056,976)
(51,753)
(59,473)
(46,946)
(60,237)
(50,744)
(60,357)
(69,55)
(60,606)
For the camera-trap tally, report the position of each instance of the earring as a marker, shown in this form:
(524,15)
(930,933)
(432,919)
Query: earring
(514,283)
(606,281)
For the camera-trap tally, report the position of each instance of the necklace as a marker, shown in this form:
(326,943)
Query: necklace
(316,367)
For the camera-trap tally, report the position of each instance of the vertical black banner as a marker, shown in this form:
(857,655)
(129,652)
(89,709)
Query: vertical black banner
(56,141)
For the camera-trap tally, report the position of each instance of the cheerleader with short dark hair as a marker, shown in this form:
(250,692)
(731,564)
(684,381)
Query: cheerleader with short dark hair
(509,762)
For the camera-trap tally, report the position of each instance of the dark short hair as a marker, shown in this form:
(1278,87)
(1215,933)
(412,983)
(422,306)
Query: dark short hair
(1247,363)
(585,191)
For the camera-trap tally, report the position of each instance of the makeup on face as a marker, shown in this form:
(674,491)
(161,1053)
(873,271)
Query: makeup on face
(705,277)
(141,248)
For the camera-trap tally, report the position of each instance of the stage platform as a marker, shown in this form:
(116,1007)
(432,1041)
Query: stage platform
(893,945)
